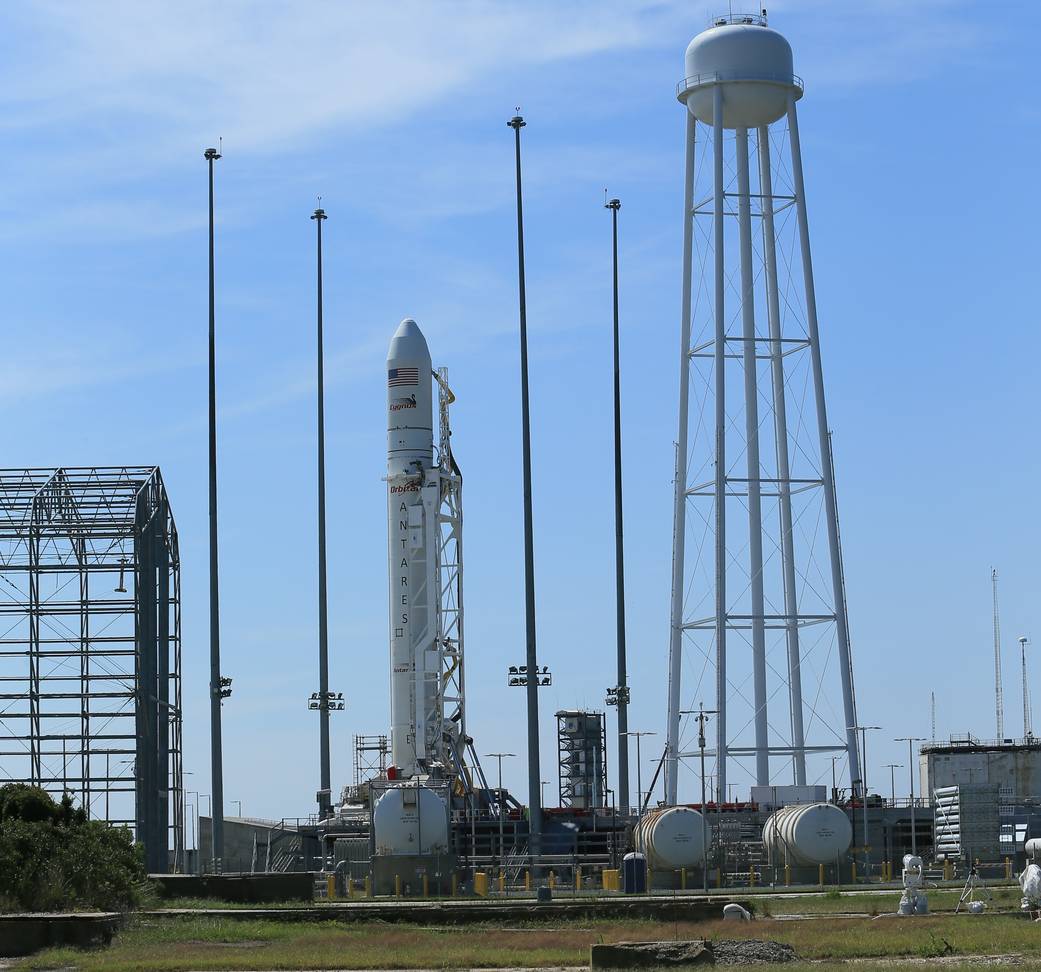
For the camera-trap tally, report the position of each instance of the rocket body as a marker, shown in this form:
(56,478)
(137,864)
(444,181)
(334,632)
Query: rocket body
(413,494)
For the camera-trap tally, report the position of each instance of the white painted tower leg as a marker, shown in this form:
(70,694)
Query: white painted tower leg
(755,517)
(720,491)
(679,517)
(841,626)
(791,605)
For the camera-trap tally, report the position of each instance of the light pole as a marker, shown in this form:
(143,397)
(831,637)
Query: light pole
(834,780)
(622,693)
(639,771)
(238,803)
(216,684)
(893,767)
(544,784)
(911,740)
(324,773)
(863,730)
(500,757)
(534,768)
(702,714)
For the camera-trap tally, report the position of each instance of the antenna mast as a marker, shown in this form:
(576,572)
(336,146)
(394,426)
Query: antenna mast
(998,702)
(1028,730)
(932,710)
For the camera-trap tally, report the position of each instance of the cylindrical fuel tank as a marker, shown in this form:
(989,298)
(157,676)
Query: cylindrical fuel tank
(671,838)
(809,833)
(410,819)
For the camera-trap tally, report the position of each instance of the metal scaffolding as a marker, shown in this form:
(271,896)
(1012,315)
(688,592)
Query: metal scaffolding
(90,647)
(582,758)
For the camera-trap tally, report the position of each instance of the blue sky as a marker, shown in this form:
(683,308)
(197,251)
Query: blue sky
(920,137)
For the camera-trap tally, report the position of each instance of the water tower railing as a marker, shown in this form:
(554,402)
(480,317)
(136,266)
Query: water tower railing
(700,80)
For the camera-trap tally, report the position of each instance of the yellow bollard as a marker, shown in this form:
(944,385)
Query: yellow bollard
(787,876)
(481,884)
(578,878)
(719,876)
(853,872)
(552,882)
(455,884)
(751,877)
(426,886)
(502,881)
(397,885)
(330,886)
(1008,869)
(683,879)
(820,874)
(368,885)
(947,870)
(527,880)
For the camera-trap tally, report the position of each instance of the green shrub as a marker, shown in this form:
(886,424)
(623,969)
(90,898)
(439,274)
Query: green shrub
(53,859)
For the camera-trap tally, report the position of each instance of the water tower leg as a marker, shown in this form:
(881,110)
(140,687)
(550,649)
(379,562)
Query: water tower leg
(719,355)
(754,492)
(791,604)
(680,500)
(841,627)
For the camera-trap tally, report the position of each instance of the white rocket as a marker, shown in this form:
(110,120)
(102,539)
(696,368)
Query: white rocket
(413,494)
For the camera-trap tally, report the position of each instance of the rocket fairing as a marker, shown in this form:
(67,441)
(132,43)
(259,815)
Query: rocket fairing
(413,494)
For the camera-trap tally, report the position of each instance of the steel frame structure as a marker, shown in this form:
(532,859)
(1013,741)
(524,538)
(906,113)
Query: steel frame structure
(90,647)
(758,575)
(582,759)
(450,719)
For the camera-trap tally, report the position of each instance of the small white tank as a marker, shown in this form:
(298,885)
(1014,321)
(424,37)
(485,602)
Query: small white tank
(410,820)
(671,838)
(808,833)
(1033,848)
(754,65)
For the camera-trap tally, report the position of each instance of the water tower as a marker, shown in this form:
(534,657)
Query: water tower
(758,615)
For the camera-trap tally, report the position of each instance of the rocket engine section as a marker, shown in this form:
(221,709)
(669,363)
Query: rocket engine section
(671,838)
(410,820)
(413,494)
(807,834)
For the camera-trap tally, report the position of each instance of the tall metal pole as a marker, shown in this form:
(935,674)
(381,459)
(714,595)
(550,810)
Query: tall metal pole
(619,558)
(863,730)
(791,602)
(827,478)
(216,754)
(679,515)
(534,772)
(754,492)
(720,488)
(639,769)
(911,740)
(999,702)
(325,786)
(1028,728)
(892,767)
(499,757)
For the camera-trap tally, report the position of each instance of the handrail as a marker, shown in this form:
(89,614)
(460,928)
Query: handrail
(699,80)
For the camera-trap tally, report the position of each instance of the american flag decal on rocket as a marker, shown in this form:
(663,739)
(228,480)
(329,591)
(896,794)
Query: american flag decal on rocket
(402,376)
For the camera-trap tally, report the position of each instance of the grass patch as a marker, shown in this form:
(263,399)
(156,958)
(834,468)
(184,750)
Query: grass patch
(212,943)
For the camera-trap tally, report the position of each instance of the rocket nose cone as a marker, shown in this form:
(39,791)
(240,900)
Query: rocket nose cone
(408,343)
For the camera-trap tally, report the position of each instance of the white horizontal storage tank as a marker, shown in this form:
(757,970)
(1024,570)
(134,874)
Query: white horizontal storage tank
(671,838)
(410,819)
(808,833)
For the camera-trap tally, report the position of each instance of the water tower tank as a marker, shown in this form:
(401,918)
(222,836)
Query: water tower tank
(752,63)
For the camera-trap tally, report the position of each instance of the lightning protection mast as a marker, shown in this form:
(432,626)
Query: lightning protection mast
(757,593)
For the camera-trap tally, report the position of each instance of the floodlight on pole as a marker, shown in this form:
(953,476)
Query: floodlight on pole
(911,740)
